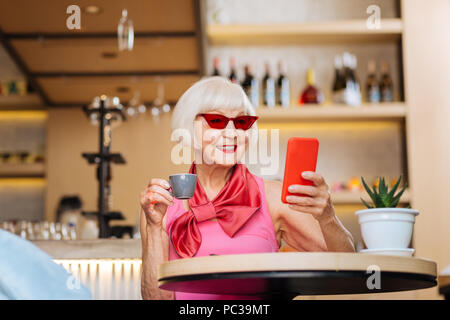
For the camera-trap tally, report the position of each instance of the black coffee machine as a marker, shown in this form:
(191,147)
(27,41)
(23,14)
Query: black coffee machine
(104,111)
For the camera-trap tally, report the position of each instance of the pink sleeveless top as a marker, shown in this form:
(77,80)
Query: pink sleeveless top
(256,236)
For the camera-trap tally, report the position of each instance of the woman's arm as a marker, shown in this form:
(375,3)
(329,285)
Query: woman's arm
(155,250)
(155,242)
(308,224)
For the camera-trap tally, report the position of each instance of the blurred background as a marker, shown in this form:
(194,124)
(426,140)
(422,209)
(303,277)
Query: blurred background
(369,79)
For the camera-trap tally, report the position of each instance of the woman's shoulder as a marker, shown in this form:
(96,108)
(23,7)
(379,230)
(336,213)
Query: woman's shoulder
(272,187)
(273,197)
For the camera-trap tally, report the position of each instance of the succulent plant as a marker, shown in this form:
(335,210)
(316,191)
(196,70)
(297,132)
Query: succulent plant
(383,198)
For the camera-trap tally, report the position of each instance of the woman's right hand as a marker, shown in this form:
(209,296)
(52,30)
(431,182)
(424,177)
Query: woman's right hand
(154,201)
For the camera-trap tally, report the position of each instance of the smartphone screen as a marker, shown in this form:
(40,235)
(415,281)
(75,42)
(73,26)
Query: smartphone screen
(301,155)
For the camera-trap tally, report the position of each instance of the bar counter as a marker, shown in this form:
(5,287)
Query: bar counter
(110,268)
(91,249)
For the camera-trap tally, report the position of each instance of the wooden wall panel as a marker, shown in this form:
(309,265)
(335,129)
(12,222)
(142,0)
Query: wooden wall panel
(50,15)
(83,89)
(427,82)
(85,55)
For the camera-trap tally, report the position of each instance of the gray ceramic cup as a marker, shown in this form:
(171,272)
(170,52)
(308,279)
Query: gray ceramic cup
(183,185)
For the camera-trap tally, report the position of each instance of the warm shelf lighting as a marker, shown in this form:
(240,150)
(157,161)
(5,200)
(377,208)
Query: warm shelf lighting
(23,115)
(66,262)
(327,125)
(110,279)
(22,182)
(92,9)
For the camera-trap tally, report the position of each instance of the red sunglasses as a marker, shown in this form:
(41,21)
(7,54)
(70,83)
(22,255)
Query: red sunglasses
(218,121)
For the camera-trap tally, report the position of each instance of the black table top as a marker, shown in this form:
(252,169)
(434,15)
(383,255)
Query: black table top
(287,275)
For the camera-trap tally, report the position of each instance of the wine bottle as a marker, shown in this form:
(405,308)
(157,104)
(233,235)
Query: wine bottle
(372,89)
(386,87)
(282,89)
(233,75)
(310,94)
(250,86)
(268,88)
(216,67)
(339,83)
(352,93)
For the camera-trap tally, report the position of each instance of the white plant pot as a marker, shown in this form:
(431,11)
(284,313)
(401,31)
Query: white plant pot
(387,228)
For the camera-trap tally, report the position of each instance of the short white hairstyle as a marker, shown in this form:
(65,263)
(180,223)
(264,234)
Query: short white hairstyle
(208,94)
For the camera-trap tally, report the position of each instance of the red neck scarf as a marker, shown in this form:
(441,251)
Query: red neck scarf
(233,206)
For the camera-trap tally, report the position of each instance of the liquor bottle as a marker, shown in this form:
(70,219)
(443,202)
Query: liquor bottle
(282,89)
(216,67)
(13,88)
(372,89)
(352,93)
(22,87)
(250,86)
(30,88)
(233,76)
(386,87)
(310,94)
(268,87)
(339,80)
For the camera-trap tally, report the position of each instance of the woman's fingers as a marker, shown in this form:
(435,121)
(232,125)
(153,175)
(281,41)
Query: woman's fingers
(160,182)
(304,201)
(309,190)
(317,179)
(306,209)
(307,201)
(317,198)
(163,192)
(154,195)
(153,198)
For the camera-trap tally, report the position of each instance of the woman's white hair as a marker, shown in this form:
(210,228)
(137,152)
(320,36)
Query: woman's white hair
(208,94)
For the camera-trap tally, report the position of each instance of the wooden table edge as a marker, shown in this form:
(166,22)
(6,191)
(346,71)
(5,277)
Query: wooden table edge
(295,261)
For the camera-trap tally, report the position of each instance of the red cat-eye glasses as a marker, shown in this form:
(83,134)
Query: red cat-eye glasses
(218,121)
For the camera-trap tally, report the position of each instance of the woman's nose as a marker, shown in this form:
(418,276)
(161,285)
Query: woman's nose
(230,129)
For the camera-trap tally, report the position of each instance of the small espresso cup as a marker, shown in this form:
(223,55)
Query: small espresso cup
(183,185)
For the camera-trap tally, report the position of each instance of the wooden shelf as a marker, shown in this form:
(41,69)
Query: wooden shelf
(353,197)
(19,170)
(30,101)
(322,32)
(383,111)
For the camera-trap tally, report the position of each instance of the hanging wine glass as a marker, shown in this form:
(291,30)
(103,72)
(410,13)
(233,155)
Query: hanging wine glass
(142,108)
(125,32)
(155,111)
(166,108)
(160,102)
(135,105)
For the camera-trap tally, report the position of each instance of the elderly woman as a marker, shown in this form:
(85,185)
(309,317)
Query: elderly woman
(232,210)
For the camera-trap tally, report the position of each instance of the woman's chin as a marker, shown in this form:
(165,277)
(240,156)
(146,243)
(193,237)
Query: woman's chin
(227,160)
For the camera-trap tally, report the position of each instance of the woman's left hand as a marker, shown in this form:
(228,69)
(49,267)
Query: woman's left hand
(318,204)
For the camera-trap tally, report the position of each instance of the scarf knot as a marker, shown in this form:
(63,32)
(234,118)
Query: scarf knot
(233,206)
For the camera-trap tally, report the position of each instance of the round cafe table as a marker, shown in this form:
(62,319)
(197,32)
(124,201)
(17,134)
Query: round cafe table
(285,275)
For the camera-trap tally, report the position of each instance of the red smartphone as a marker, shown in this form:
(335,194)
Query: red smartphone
(301,155)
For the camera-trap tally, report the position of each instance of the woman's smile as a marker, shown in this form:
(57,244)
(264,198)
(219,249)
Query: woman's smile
(228,148)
